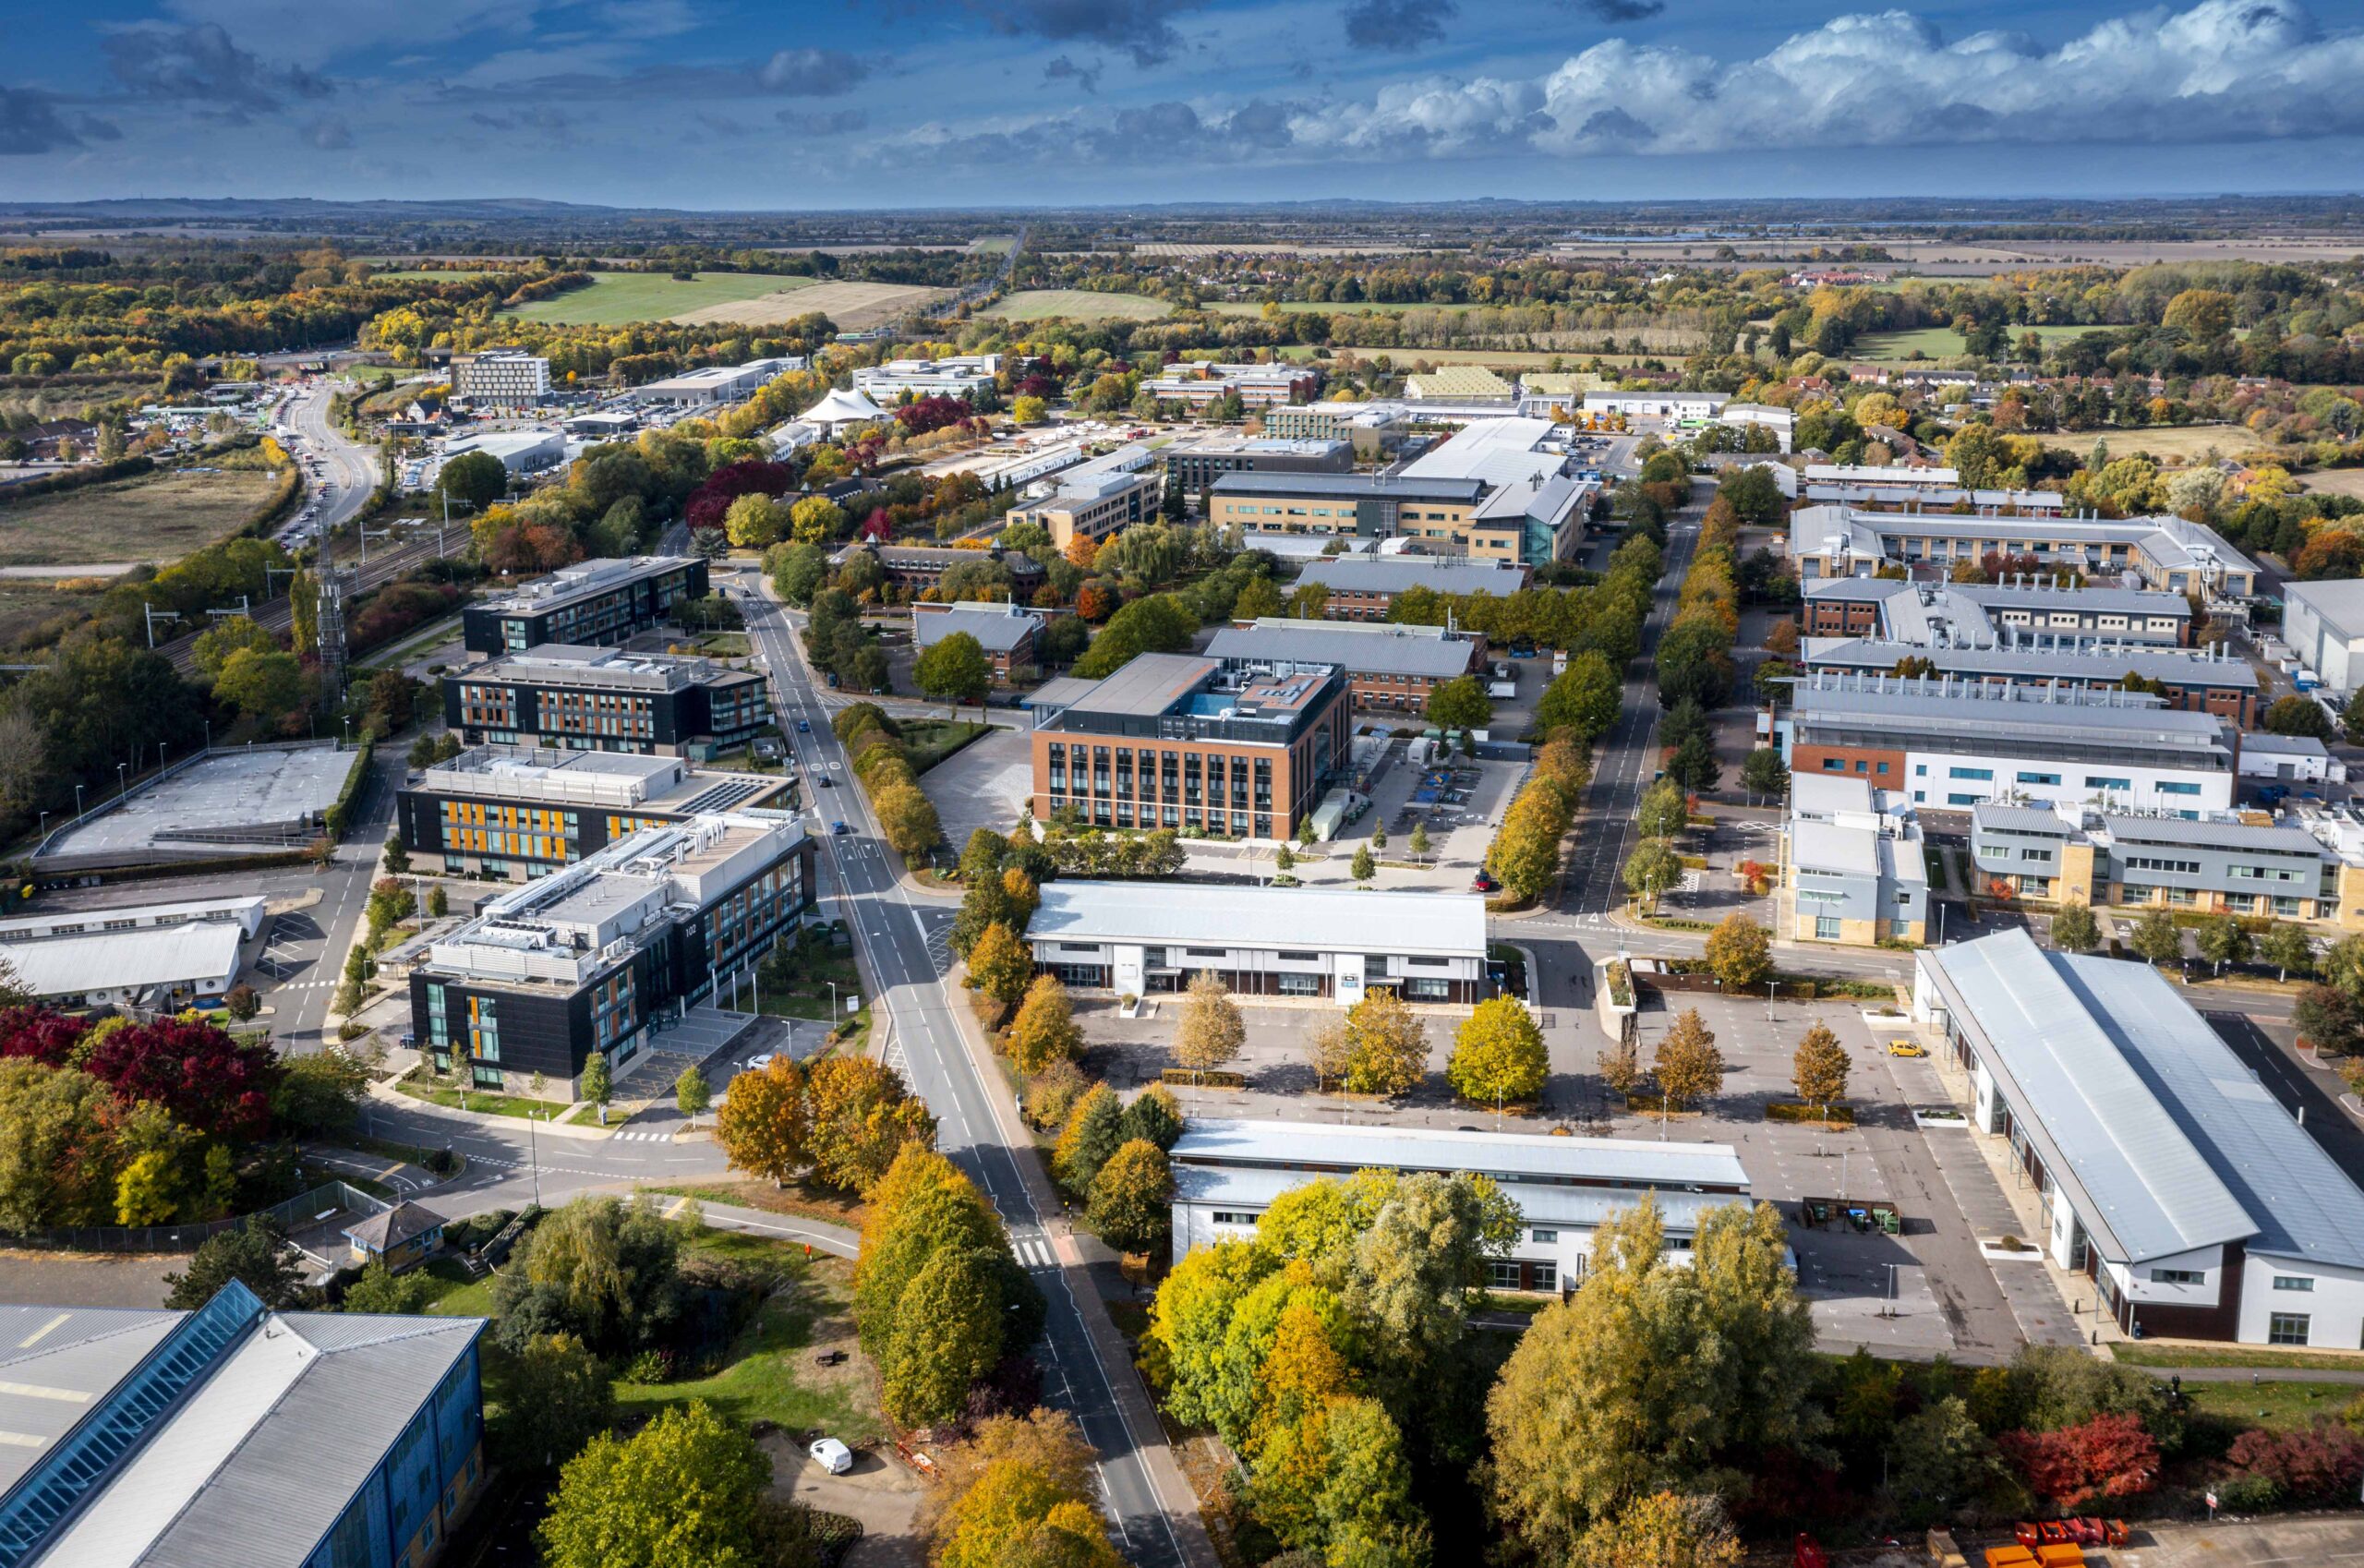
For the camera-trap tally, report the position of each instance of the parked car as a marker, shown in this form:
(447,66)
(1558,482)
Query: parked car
(1484,883)
(831,1456)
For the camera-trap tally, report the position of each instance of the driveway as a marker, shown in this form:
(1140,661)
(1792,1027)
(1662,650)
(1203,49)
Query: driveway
(878,1491)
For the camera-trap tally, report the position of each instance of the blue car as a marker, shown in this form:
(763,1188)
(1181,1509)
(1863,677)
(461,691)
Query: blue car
(840,827)
(803,727)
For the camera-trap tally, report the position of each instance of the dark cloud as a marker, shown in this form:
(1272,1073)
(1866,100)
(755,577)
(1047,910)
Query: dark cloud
(834,122)
(329,133)
(550,127)
(816,73)
(1064,69)
(1614,11)
(30,122)
(1144,28)
(1152,132)
(1399,26)
(201,66)
(96,130)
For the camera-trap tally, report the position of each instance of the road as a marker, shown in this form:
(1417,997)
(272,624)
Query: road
(902,943)
(348,471)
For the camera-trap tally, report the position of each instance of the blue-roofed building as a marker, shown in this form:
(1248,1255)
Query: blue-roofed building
(2170,1174)
(1227,1173)
(235,1437)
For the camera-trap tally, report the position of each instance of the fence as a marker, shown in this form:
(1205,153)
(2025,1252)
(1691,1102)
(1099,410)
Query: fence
(303,1209)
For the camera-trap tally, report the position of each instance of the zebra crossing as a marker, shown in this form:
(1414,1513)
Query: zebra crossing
(630,1135)
(1034,1254)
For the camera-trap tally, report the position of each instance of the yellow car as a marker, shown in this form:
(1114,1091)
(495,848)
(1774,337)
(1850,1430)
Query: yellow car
(1905,1048)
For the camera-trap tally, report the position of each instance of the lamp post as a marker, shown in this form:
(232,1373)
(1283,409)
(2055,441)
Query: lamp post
(77,800)
(122,780)
(534,1153)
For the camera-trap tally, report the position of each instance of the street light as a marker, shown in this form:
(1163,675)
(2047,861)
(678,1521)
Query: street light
(122,780)
(77,800)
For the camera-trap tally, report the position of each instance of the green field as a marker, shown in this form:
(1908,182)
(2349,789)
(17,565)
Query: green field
(157,517)
(614,298)
(1941,343)
(1078,304)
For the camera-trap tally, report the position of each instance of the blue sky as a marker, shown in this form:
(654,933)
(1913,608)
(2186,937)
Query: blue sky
(969,103)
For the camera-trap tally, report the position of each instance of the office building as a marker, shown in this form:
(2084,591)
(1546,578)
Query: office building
(1389,668)
(588,959)
(1193,464)
(1459,383)
(1201,385)
(720,383)
(2289,759)
(160,956)
(1882,496)
(2036,612)
(2200,680)
(1327,944)
(1094,499)
(2311,869)
(505,377)
(1372,505)
(1851,864)
(1168,741)
(235,1437)
(2165,553)
(1010,634)
(1536,503)
(592,604)
(1742,417)
(517,813)
(1363,587)
(1952,745)
(1368,428)
(2322,623)
(1673,407)
(2166,1174)
(579,699)
(914,569)
(954,376)
(1227,1173)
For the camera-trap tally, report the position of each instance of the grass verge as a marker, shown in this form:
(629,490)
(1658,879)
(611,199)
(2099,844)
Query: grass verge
(2152,1353)
(799,1200)
(481,1103)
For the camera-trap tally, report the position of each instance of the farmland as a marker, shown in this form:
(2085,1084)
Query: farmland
(1078,304)
(1309,308)
(1940,342)
(850,305)
(613,298)
(157,517)
(2177,443)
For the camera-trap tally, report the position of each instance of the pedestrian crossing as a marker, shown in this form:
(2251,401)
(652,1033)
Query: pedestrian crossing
(630,1135)
(1034,1254)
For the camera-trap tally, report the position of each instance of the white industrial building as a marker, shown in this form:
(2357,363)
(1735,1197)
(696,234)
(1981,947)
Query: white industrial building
(1227,1173)
(2170,1174)
(2323,624)
(954,376)
(160,956)
(519,452)
(720,383)
(1298,942)
(1677,407)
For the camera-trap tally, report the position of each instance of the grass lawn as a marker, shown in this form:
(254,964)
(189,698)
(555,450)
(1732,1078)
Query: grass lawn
(478,1100)
(1078,304)
(1941,343)
(458,1296)
(2154,1354)
(798,1200)
(156,517)
(613,298)
(2269,1405)
(2180,442)
(769,1376)
(930,741)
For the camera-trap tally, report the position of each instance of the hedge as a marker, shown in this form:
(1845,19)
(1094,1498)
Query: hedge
(77,478)
(1791,1111)
(354,783)
(1204,1077)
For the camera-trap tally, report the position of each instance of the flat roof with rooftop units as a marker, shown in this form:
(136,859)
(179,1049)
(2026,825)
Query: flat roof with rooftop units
(601,779)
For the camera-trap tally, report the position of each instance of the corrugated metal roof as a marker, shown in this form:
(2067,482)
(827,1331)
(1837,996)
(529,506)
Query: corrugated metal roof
(2339,602)
(74,1355)
(1393,573)
(1578,1207)
(1451,924)
(2029,664)
(2021,819)
(2214,835)
(1318,1147)
(2058,1041)
(1317,642)
(145,956)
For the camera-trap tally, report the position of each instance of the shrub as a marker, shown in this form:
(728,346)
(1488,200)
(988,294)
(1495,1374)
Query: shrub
(2322,1462)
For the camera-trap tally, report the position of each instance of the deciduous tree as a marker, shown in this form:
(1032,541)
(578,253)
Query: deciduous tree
(1687,1067)
(1045,1031)
(1662,1529)
(559,1398)
(1497,1054)
(764,1126)
(908,818)
(1000,965)
(1818,1070)
(947,1336)
(1211,1031)
(1132,1197)
(1093,1133)
(1391,1046)
(2287,947)
(955,670)
(2074,930)
(1651,869)
(863,1116)
(1740,953)
(1460,704)
(687,1488)
(2157,938)
(2108,1456)
(1585,698)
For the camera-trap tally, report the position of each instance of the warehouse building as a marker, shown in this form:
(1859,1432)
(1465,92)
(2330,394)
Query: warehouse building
(2323,624)
(579,699)
(1852,864)
(2166,553)
(2036,612)
(594,604)
(1363,587)
(720,383)
(160,956)
(953,376)
(1373,505)
(1460,383)
(2168,1174)
(235,1437)
(1010,634)
(1300,942)
(518,451)
(2196,680)
(1953,745)
(1192,465)
(517,813)
(1389,669)
(589,959)
(1169,740)
(2307,871)
(1226,1174)
(1370,429)
(504,378)
(1675,407)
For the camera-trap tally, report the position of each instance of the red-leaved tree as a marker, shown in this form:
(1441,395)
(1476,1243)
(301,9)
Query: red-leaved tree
(2322,1463)
(209,1082)
(2108,1456)
(932,414)
(45,1035)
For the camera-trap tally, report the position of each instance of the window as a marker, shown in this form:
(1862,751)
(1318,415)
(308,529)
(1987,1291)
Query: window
(2103,781)
(2178,1276)
(1543,1276)
(1825,928)
(2035,854)
(1920,770)
(1964,800)
(1299,984)
(1979,773)
(1901,930)
(2286,1327)
(1503,1276)
(2179,789)
(2293,1282)
(1232,1217)
(1833,765)
(1545,1236)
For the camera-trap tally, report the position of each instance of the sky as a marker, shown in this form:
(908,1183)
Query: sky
(801,104)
